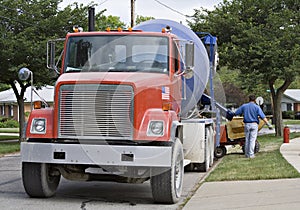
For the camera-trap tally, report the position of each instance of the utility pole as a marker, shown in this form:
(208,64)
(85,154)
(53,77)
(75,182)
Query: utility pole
(132,12)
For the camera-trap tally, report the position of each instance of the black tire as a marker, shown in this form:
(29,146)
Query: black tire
(195,167)
(220,151)
(39,179)
(257,147)
(167,186)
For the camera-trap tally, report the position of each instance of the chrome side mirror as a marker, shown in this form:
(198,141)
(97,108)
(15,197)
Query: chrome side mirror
(189,55)
(24,74)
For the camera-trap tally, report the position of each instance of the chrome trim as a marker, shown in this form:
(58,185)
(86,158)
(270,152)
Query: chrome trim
(95,111)
(101,155)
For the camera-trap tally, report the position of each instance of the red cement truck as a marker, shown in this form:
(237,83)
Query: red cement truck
(125,110)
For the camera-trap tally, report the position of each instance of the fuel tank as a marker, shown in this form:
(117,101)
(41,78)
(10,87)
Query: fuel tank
(195,85)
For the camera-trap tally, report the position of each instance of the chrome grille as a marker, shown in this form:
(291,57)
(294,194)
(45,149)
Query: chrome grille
(96,111)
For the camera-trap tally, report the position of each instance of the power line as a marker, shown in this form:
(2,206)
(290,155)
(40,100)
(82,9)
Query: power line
(15,10)
(20,11)
(16,20)
(170,8)
(103,2)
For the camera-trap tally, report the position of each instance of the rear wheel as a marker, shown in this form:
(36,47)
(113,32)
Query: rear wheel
(256,148)
(167,186)
(40,180)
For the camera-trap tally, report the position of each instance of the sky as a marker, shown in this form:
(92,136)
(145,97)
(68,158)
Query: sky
(150,8)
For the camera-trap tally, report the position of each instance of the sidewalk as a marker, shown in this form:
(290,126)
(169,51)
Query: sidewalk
(259,194)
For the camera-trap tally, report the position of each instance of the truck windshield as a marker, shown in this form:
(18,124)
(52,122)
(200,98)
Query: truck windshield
(119,53)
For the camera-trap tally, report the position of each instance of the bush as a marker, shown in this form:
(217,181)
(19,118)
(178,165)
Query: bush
(288,115)
(9,123)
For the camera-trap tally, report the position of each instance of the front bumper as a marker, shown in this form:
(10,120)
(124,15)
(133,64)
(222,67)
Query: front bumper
(101,155)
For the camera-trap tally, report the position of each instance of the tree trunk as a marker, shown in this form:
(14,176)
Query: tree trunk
(20,100)
(276,101)
(277,114)
(21,120)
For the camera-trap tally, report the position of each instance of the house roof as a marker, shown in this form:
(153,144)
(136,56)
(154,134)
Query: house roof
(293,94)
(45,92)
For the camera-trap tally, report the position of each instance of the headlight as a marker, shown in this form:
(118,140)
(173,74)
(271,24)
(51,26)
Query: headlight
(38,126)
(155,128)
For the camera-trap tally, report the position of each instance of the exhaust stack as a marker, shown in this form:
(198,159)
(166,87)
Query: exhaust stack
(91,19)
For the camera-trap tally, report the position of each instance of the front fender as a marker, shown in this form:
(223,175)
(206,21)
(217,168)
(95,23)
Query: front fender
(168,118)
(46,114)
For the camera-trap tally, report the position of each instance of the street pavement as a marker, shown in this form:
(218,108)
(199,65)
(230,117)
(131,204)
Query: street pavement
(259,194)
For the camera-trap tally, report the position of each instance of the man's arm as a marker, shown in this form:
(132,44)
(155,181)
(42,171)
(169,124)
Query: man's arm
(268,124)
(239,111)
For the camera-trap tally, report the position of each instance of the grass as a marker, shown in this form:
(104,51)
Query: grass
(268,163)
(291,122)
(8,138)
(9,147)
(9,130)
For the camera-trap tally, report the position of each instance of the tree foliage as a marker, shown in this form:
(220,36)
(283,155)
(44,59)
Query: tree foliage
(113,22)
(260,39)
(25,28)
(140,19)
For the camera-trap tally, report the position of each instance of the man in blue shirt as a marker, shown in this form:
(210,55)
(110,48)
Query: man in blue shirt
(251,112)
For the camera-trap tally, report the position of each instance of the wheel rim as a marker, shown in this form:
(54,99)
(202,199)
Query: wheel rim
(219,151)
(178,174)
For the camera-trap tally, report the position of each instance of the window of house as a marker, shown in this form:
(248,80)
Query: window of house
(2,109)
(289,107)
(11,110)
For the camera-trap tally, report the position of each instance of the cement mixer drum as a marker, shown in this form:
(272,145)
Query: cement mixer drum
(195,85)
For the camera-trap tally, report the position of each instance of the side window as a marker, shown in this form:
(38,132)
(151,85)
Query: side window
(175,60)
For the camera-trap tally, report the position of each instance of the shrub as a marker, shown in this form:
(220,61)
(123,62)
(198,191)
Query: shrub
(9,124)
(288,115)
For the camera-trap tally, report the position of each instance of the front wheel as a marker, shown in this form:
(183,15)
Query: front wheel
(220,151)
(40,180)
(167,186)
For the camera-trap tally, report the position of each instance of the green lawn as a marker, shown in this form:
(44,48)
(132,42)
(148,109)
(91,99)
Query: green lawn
(9,130)
(6,148)
(2,138)
(291,122)
(268,163)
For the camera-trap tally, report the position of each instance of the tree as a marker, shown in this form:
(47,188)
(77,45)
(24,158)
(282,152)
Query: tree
(3,87)
(140,19)
(25,28)
(260,39)
(103,22)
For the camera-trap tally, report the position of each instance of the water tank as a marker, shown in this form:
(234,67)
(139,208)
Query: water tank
(196,85)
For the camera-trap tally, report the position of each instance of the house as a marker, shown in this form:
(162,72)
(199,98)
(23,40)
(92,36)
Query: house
(8,101)
(291,100)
